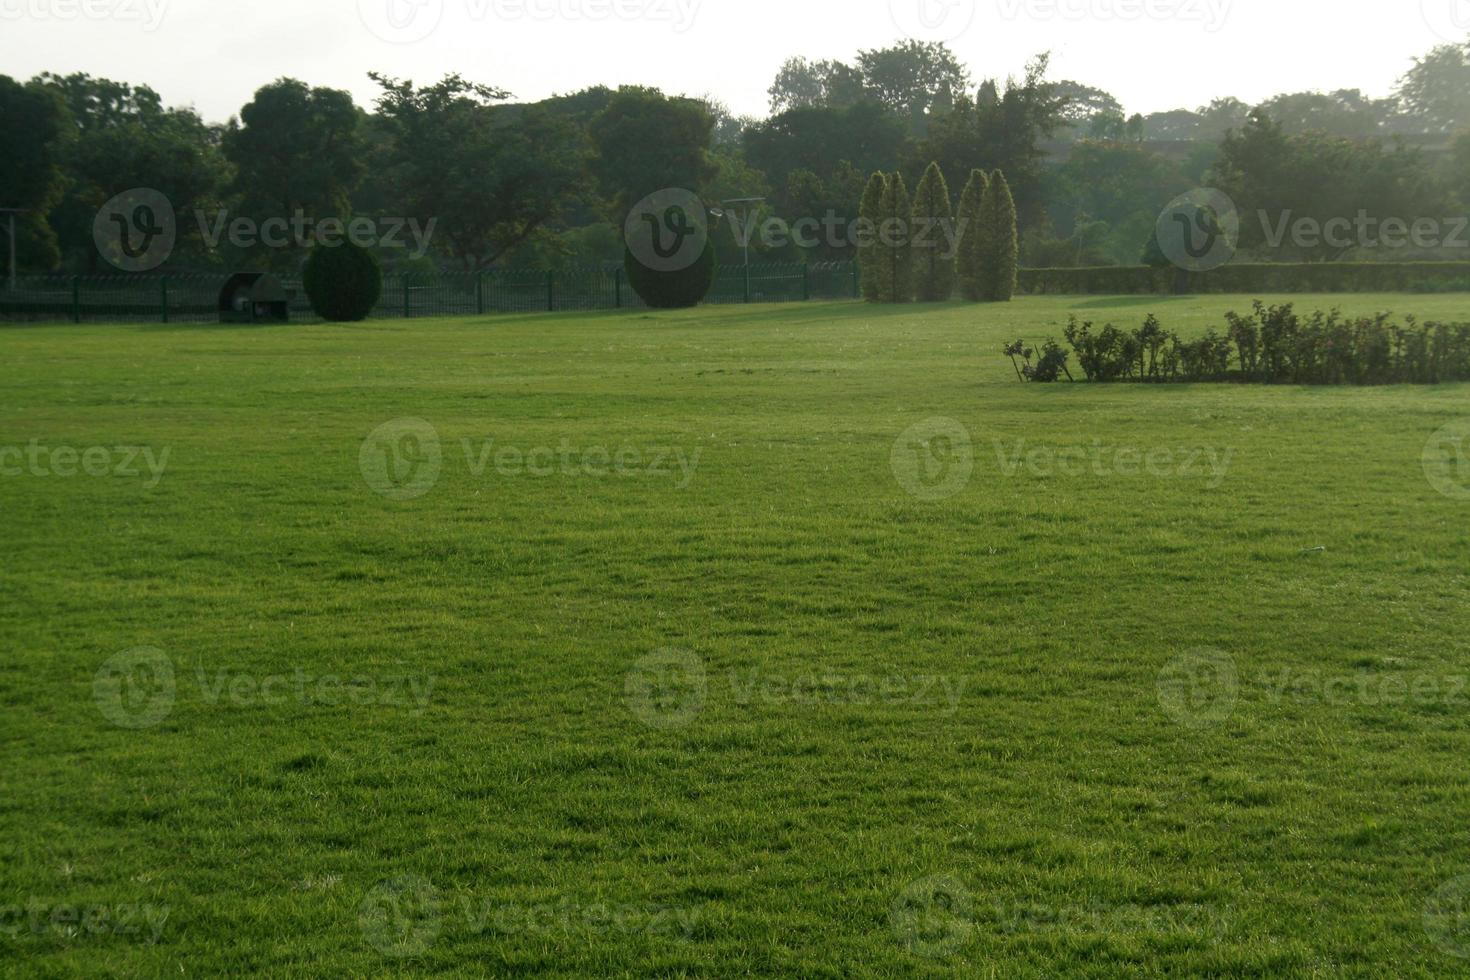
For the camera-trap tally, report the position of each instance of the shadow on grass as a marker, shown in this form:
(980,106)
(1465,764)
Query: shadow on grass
(1118,301)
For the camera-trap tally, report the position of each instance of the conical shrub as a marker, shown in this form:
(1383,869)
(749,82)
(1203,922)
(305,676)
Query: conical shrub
(1001,248)
(894,242)
(932,217)
(870,258)
(970,257)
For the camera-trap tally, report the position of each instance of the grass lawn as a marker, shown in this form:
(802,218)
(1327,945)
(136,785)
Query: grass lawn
(781,641)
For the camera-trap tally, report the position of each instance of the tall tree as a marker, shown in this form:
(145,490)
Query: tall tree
(645,141)
(1001,246)
(908,77)
(867,136)
(34,121)
(932,221)
(295,147)
(970,259)
(803,84)
(491,178)
(870,254)
(1437,89)
(895,242)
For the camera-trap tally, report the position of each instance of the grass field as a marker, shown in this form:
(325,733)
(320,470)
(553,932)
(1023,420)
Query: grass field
(701,644)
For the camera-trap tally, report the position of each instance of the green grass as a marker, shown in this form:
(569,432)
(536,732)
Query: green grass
(1016,739)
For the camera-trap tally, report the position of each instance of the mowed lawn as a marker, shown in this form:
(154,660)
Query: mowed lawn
(666,645)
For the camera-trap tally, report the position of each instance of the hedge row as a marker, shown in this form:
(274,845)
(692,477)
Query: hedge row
(1311,277)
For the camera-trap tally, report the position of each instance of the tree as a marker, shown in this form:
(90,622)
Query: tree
(1343,113)
(122,138)
(1000,131)
(867,136)
(296,148)
(34,121)
(895,243)
(802,84)
(970,259)
(645,141)
(907,77)
(933,265)
(870,255)
(1437,89)
(1000,249)
(491,178)
(1080,103)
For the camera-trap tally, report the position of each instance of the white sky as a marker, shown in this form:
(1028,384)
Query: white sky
(1151,54)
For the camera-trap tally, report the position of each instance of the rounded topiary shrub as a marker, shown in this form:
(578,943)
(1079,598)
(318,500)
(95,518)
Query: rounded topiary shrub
(672,290)
(342,281)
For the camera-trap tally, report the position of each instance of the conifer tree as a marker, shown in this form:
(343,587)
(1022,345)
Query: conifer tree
(969,260)
(870,256)
(894,243)
(1001,245)
(932,217)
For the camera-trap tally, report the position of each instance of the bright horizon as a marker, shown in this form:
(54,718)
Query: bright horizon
(1187,53)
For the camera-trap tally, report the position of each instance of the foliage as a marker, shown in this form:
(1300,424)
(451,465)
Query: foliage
(894,250)
(489,177)
(934,267)
(867,136)
(999,247)
(1437,89)
(1273,345)
(870,257)
(33,120)
(343,282)
(672,289)
(970,258)
(645,141)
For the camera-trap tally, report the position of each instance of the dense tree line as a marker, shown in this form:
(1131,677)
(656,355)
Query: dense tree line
(509,183)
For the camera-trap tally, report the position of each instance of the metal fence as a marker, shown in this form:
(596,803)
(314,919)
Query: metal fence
(194,298)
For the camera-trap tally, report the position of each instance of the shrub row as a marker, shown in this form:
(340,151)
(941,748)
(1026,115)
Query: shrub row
(1274,345)
(1309,277)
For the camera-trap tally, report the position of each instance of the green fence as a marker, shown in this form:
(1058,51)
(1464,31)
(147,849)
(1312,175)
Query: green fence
(194,298)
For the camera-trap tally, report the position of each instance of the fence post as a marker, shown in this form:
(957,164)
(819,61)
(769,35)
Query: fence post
(480,293)
(405,298)
(857,292)
(617,289)
(163,295)
(550,291)
(76,299)
(747,280)
(806,281)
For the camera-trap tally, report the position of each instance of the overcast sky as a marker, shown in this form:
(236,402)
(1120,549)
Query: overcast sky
(1151,54)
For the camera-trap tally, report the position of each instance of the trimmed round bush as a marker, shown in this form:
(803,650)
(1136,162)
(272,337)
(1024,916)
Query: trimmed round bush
(343,282)
(672,290)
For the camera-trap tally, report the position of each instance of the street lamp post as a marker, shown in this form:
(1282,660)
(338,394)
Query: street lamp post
(743,206)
